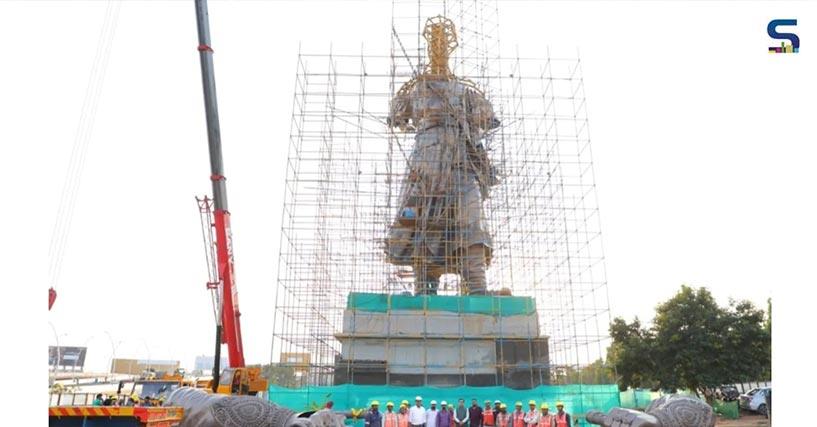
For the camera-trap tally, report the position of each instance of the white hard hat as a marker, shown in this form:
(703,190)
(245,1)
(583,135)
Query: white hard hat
(418,398)
(443,403)
(433,402)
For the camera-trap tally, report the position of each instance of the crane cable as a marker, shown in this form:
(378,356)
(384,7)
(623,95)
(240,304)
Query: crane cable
(82,138)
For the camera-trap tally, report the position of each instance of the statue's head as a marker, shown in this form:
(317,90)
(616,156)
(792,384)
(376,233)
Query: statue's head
(441,37)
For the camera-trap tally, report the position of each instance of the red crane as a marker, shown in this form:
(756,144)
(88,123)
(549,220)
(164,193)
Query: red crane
(228,322)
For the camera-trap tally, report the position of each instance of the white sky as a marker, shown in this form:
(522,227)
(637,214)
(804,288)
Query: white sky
(703,143)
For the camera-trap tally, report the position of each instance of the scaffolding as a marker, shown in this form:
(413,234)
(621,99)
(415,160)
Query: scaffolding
(347,169)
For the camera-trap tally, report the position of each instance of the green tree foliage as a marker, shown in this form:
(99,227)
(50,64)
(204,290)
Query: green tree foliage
(631,353)
(692,344)
(595,373)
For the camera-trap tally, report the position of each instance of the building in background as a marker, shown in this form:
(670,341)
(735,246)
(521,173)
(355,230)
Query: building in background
(139,366)
(67,358)
(205,363)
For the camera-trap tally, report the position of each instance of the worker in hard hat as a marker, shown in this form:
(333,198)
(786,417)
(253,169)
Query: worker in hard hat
(403,416)
(444,418)
(373,418)
(518,416)
(417,413)
(532,416)
(545,418)
(488,415)
(561,418)
(389,417)
(503,418)
(431,414)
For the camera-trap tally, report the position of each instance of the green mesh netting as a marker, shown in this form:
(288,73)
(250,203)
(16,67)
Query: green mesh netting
(474,304)
(638,398)
(577,398)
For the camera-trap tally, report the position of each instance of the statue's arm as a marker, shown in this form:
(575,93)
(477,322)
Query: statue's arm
(481,111)
(619,417)
(401,110)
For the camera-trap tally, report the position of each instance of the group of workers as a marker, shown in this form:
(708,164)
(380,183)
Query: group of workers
(496,415)
(124,400)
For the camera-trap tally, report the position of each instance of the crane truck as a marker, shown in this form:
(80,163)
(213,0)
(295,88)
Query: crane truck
(237,378)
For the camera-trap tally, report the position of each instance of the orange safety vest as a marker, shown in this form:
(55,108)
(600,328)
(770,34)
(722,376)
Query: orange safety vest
(488,417)
(389,419)
(502,419)
(561,420)
(545,420)
(402,420)
(518,419)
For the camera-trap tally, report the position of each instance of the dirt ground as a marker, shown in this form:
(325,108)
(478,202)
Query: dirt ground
(745,420)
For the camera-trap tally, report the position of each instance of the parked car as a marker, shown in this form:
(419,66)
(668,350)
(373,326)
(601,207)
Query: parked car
(728,393)
(755,400)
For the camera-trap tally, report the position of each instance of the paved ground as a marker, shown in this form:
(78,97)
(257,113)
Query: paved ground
(745,420)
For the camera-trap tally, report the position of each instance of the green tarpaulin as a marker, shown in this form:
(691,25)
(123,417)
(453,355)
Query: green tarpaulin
(577,398)
(473,304)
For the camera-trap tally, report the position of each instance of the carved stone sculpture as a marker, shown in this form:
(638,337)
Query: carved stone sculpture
(217,410)
(667,411)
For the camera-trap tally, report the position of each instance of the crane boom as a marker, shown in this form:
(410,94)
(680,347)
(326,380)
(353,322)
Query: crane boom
(228,326)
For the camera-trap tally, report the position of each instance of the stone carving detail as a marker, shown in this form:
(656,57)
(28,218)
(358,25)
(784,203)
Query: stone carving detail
(667,411)
(217,410)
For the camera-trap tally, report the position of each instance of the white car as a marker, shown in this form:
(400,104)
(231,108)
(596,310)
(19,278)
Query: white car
(755,399)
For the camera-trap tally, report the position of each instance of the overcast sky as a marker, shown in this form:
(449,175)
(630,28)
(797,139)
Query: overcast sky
(703,143)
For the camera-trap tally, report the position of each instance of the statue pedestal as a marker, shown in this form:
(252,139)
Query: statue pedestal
(432,340)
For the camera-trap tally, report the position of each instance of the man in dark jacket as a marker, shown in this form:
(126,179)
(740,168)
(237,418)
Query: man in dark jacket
(475,414)
(373,418)
(461,414)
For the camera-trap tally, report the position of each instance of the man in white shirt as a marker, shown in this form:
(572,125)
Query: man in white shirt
(431,415)
(417,414)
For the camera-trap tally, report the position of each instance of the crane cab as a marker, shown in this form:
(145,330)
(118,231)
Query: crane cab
(241,381)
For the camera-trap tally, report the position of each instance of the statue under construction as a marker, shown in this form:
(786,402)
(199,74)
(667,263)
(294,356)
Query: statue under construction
(438,229)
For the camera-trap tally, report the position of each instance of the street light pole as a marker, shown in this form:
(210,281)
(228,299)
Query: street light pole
(113,352)
(84,346)
(57,338)
(148,349)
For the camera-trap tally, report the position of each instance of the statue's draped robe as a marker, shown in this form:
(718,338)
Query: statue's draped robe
(440,211)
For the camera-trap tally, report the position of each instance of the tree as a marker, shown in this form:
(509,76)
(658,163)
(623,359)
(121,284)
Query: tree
(692,344)
(631,354)
(595,373)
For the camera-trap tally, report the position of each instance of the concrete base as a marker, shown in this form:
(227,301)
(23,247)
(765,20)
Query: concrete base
(430,348)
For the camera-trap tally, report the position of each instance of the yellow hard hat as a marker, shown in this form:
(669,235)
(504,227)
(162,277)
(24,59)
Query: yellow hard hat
(560,404)
(389,404)
(504,406)
(532,402)
(544,406)
(375,403)
(518,403)
(405,402)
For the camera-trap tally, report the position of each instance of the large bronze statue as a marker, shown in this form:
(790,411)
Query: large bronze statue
(667,411)
(438,228)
